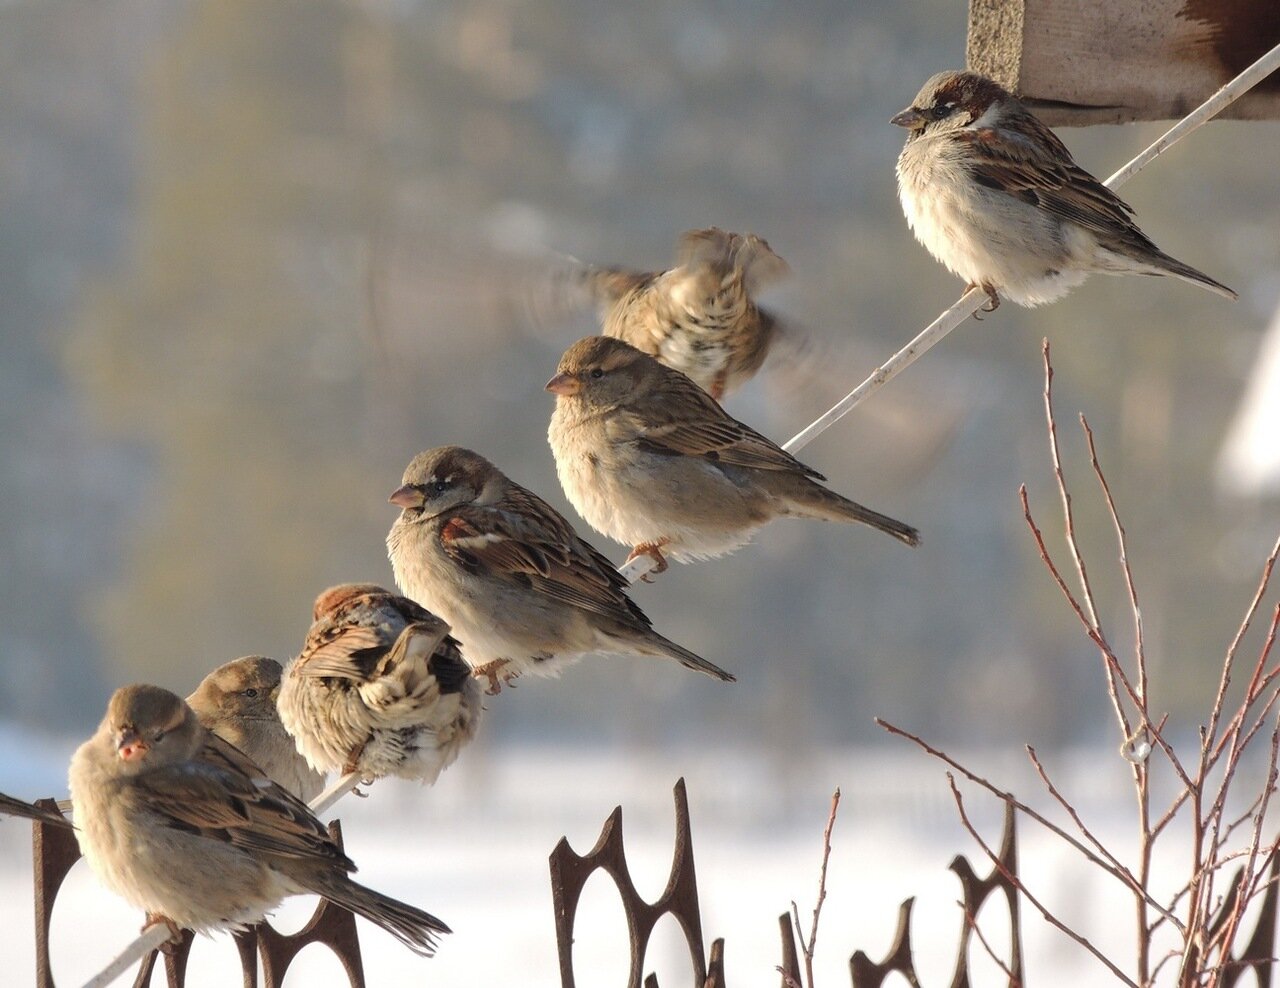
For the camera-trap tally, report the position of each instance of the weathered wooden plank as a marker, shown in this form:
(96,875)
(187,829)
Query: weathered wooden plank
(1113,61)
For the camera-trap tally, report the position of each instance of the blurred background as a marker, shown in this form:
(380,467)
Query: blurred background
(253,257)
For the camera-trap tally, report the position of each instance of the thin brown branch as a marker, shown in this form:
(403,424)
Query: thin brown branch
(1119,873)
(812,943)
(1220,698)
(972,922)
(1086,589)
(1017,883)
(1139,646)
(1123,872)
(1114,670)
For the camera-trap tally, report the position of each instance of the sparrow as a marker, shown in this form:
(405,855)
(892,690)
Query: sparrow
(9,806)
(185,826)
(701,316)
(996,197)
(649,459)
(237,702)
(523,593)
(380,688)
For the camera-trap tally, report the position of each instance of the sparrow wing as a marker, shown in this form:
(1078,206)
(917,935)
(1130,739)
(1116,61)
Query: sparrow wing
(351,641)
(678,418)
(1028,161)
(223,795)
(525,540)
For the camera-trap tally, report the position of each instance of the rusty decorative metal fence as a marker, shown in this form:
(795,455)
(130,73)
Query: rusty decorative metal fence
(55,851)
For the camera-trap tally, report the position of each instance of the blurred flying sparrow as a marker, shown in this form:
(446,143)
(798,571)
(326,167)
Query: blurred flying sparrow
(648,459)
(701,316)
(522,592)
(182,824)
(237,701)
(996,197)
(380,688)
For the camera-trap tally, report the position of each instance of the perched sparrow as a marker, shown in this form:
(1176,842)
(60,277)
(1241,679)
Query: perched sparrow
(182,824)
(521,590)
(700,317)
(9,806)
(649,459)
(237,701)
(380,688)
(997,198)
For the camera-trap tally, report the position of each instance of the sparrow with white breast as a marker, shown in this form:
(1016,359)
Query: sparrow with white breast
(701,316)
(649,459)
(183,825)
(522,592)
(997,198)
(380,688)
(237,701)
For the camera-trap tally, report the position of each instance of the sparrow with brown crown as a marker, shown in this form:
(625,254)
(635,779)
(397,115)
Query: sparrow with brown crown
(183,825)
(521,591)
(237,701)
(649,459)
(997,198)
(380,688)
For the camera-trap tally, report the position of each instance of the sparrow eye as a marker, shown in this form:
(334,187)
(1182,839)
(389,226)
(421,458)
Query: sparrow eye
(439,487)
(940,111)
(251,692)
(597,373)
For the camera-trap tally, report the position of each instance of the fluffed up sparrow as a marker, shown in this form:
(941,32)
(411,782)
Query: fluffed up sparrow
(522,592)
(701,316)
(996,197)
(380,688)
(183,825)
(648,459)
(11,806)
(237,701)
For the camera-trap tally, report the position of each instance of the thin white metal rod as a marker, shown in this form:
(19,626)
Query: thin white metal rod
(334,793)
(152,939)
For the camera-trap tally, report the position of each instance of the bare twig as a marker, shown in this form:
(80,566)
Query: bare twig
(972,922)
(808,946)
(1117,871)
(1013,879)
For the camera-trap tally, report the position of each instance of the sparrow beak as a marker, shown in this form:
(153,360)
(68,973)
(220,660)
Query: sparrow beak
(408,496)
(564,384)
(910,118)
(130,746)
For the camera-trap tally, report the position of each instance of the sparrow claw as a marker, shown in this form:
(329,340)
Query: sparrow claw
(492,671)
(353,759)
(175,932)
(993,298)
(654,551)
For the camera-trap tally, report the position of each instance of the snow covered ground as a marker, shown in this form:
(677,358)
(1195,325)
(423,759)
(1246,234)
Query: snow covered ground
(474,850)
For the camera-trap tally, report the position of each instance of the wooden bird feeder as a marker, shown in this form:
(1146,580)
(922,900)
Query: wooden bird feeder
(1080,62)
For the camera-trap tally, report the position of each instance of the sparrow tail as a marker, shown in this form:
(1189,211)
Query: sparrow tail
(830,506)
(16,807)
(414,928)
(657,645)
(1164,264)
